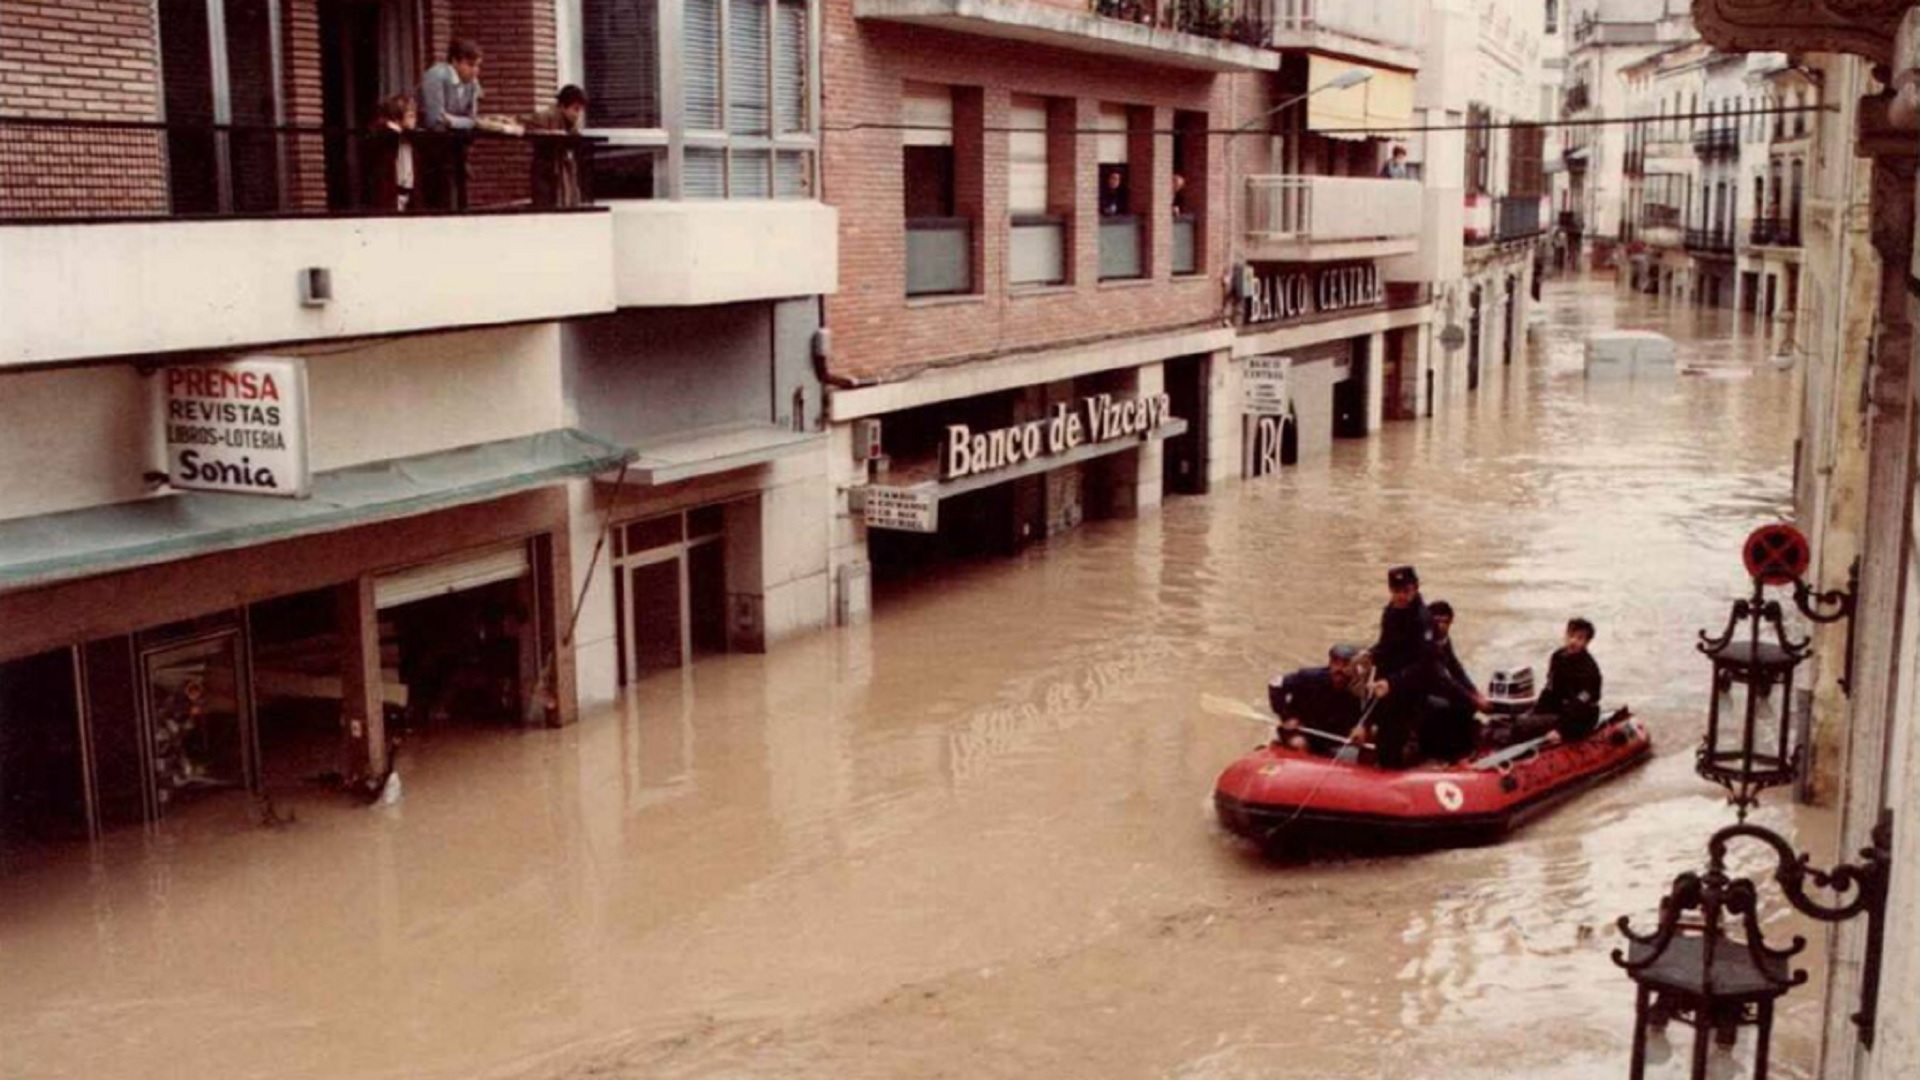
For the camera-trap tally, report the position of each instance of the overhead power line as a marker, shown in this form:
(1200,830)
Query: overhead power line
(1605,121)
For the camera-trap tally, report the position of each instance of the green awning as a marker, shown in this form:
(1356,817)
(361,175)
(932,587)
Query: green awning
(50,548)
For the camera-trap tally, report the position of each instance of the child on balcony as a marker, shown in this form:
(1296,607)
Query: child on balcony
(391,166)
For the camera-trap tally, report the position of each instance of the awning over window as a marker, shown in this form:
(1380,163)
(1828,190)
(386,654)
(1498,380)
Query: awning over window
(80,543)
(1384,101)
(714,450)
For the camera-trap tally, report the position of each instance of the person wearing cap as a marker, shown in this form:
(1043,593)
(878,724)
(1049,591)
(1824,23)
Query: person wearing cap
(1405,671)
(1449,730)
(1326,699)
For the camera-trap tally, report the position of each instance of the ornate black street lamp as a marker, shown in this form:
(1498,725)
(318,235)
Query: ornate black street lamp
(1707,963)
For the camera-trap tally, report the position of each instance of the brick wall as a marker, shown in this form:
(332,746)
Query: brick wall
(79,59)
(519,73)
(878,331)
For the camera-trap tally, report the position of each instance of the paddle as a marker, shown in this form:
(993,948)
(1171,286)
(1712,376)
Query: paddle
(1226,706)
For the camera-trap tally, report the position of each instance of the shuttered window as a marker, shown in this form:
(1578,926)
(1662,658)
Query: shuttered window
(750,176)
(793,175)
(1112,140)
(701,59)
(704,176)
(622,62)
(790,66)
(1027,156)
(748,46)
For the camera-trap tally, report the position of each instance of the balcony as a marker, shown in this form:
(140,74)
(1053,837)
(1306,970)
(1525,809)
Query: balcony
(133,238)
(1717,142)
(939,256)
(1038,251)
(1392,35)
(1187,34)
(1122,247)
(1775,232)
(1518,217)
(1710,241)
(1569,221)
(1311,218)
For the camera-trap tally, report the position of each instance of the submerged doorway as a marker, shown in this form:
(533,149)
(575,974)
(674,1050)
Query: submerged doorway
(670,590)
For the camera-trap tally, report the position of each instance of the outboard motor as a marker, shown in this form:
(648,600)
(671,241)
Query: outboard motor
(1510,692)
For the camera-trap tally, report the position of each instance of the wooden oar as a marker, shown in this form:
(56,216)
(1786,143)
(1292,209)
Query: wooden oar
(1226,706)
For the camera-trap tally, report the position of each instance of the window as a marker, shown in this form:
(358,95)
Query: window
(622,79)
(744,121)
(939,239)
(1553,16)
(1038,248)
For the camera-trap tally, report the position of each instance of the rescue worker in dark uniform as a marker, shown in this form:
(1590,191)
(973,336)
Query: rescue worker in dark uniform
(1404,668)
(1450,729)
(1326,699)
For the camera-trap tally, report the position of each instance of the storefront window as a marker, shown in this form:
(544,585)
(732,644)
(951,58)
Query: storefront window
(743,126)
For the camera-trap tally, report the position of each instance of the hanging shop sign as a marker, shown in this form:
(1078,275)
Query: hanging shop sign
(903,509)
(239,426)
(1286,292)
(1097,419)
(1264,385)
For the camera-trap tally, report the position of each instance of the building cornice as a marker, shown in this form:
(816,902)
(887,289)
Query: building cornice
(1864,28)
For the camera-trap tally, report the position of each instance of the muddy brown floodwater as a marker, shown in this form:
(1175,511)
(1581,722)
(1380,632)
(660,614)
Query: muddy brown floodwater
(973,839)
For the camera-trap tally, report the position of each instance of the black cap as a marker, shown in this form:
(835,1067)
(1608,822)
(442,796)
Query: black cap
(1402,576)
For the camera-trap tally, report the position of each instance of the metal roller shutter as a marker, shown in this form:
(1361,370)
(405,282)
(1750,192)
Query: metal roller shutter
(489,567)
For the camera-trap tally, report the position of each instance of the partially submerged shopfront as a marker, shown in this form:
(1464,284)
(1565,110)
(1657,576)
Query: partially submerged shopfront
(986,462)
(157,651)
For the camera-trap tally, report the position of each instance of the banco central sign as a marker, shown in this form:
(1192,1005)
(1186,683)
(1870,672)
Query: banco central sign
(1286,292)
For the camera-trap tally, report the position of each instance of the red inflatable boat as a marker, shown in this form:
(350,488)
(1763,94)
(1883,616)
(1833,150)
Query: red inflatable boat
(1287,800)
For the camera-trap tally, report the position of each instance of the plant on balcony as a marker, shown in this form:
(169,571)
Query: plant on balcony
(1134,11)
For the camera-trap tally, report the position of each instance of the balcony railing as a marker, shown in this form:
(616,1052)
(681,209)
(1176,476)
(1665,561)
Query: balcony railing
(1719,241)
(939,256)
(1186,244)
(1224,20)
(1717,142)
(1121,247)
(1332,208)
(1569,221)
(1776,232)
(1518,217)
(1396,25)
(68,170)
(1038,254)
(1658,216)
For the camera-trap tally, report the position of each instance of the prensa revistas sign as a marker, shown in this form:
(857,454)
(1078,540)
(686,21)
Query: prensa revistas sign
(1098,419)
(239,426)
(1283,293)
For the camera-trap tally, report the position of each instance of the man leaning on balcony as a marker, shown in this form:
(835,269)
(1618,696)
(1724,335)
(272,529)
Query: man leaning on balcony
(449,111)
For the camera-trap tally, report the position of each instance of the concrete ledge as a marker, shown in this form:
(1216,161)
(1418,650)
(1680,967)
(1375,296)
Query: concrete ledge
(76,292)
(1264,342)
(1026,369)
(1046,24)
(722,251)
(1328,250)
(1335,43)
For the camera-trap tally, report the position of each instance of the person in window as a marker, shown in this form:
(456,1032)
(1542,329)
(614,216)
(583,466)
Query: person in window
(1396,166)
(1113,192)
(450,109)
(554,132)
(1179,195)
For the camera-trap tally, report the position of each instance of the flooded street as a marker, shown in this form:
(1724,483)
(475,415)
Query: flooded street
(974,838)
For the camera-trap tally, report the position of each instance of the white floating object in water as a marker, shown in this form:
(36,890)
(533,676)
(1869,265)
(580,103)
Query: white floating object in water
(1630,354)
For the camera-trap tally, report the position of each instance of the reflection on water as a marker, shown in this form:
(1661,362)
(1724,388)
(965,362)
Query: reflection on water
(972,838)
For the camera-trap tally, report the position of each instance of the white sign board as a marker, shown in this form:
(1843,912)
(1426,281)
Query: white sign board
(904,509)
(1264,385)
(239,426)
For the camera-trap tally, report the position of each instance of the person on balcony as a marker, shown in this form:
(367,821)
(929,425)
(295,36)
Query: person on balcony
(555,132)
(450,108)
(1179,195)
(1396,166)
(391,171)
